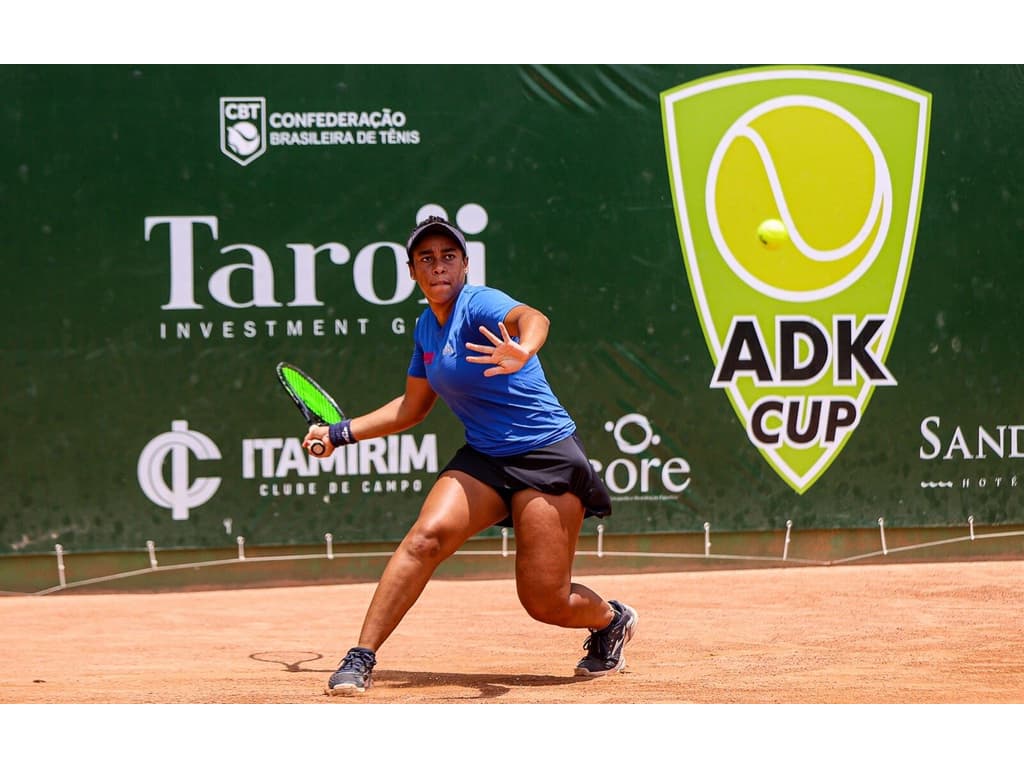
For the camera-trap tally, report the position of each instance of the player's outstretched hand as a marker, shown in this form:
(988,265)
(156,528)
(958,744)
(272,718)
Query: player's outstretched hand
(505,356)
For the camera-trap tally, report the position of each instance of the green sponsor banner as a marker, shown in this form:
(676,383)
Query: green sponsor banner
(173,232)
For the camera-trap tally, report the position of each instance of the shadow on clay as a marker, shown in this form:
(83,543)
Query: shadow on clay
(489,686)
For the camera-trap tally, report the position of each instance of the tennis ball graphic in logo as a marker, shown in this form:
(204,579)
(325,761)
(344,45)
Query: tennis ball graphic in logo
(772,233)
(243,138)
(817,174)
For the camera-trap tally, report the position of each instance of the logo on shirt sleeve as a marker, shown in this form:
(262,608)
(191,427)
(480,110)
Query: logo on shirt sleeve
(428,358)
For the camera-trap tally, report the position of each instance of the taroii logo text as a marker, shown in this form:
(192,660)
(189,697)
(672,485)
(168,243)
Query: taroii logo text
(180,495)
(799,328)
(243,127)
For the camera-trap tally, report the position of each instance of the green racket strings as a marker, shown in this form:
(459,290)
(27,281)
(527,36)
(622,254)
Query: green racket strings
(310,394)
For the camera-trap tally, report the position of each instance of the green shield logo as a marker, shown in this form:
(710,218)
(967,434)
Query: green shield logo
(797,192)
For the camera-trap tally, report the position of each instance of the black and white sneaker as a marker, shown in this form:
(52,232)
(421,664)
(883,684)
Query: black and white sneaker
(354,673)
(605,647)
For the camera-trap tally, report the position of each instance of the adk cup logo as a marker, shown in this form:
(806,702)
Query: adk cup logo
(243,127)
(797,193)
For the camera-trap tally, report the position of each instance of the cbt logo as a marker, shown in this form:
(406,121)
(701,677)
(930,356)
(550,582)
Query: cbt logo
(180,495)
(243,127)
(799,325)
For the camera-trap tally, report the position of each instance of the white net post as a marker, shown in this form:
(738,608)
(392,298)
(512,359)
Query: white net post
(241,547)
(785,546)
(600,540)
(151,548)
(330,545)
(881,529)
(707,539)
(60,565)
(504,542)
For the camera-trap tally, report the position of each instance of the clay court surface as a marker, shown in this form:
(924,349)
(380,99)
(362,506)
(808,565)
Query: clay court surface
(880,634)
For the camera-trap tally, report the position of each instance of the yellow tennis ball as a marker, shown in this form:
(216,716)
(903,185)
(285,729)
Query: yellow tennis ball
(772,233)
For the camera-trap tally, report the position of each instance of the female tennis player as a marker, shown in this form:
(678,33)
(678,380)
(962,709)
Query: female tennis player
(523,464)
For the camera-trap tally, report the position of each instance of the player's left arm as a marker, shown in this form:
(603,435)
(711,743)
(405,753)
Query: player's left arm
(530,325)
(505,354)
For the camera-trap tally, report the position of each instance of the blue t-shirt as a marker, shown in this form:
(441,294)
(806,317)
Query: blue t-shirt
(503,415)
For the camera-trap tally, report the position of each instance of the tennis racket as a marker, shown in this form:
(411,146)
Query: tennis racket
(313,402)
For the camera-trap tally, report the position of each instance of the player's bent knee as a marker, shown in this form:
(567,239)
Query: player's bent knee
(430,544)
(423,546)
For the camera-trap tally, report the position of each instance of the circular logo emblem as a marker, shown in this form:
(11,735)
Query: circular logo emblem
(813,166)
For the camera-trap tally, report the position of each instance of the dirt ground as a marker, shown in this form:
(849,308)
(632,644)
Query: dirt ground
(880,634)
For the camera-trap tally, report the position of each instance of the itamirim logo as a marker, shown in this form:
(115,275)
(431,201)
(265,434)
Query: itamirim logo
(182,494)
(799,321)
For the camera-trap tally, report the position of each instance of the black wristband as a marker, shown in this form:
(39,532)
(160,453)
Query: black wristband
(341,433)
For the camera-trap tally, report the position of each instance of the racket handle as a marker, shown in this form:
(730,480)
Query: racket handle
(317,447)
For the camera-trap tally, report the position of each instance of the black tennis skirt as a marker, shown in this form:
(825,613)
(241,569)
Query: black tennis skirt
(559,468)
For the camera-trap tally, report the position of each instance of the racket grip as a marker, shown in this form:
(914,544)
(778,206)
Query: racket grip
(316,447)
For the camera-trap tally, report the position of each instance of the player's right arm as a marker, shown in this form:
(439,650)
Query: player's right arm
(405,411)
